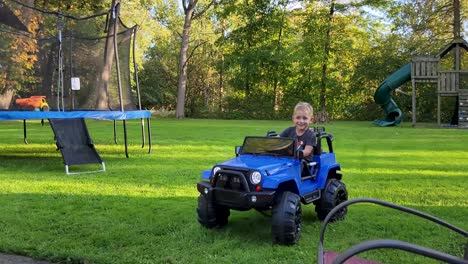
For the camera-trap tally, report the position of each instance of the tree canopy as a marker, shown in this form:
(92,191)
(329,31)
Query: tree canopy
(256,59)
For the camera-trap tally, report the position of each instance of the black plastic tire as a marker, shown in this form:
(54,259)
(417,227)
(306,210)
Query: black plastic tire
(286,219)
(211,215)
(45,108)
(334,193)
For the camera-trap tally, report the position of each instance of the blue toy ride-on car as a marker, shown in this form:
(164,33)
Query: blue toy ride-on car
(270,173)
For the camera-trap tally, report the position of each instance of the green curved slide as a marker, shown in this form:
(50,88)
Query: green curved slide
(383,96)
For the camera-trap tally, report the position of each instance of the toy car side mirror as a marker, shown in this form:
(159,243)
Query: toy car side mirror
(271,134)
(238,150)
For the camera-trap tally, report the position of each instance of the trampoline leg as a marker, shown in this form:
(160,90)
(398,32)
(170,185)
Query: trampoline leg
(142,133)
(125,138)
(103,166)
(66,169)
(115,133)
(25,139)
(149,134)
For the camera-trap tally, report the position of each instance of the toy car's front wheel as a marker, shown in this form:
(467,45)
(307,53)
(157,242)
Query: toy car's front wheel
(334,193)
(211,215)
(286,219)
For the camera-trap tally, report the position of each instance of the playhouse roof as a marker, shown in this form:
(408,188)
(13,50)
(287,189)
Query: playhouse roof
(457,41)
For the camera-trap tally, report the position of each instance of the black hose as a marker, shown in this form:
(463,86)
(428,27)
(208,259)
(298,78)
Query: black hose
(382,203)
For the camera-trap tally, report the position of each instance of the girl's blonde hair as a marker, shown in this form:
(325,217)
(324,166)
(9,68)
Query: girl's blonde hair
(306,107)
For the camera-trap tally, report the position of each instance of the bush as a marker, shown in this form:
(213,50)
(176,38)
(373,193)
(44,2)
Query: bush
(362,111)
(163,113)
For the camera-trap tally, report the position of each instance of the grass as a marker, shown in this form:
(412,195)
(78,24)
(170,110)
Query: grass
(142,210)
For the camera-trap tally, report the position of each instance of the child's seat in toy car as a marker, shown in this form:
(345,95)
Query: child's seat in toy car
(310,167)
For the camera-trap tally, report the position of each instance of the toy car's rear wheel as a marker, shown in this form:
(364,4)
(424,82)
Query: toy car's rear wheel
(286,219)
(45,108)
(334,193)
(211,215)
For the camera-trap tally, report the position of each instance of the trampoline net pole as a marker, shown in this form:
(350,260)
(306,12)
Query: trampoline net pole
(60,61)
(115,14)
(137,86)
(135,66)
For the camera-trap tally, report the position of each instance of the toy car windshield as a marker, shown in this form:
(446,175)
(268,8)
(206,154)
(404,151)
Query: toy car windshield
(275,146)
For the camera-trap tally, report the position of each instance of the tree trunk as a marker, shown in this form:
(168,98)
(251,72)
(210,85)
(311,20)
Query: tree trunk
(322,115)
(182,83)
(247,73)
(221,84)
(221,72)
(456,18)
(102,96)
(323,83)
(47,67)
(5,99)
(277,91)
(189,10)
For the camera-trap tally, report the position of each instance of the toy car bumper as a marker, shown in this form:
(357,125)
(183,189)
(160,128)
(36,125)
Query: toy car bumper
(234,199)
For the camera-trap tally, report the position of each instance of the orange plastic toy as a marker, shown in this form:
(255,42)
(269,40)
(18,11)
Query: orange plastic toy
(37,102)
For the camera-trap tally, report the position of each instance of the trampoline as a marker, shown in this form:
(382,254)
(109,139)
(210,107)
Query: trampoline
(83,66)
(104,115)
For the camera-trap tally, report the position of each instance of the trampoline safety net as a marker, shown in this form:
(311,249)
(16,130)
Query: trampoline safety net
(70,60)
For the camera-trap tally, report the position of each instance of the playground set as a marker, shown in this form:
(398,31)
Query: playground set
(450,82)
(66,68)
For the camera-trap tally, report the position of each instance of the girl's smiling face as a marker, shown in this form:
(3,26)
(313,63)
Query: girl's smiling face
(301,120)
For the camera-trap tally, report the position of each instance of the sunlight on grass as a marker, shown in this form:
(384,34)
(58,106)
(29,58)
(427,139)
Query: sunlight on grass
(77,188)
(412,154)
(404,172)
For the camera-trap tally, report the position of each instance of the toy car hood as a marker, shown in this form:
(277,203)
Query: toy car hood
(268,165)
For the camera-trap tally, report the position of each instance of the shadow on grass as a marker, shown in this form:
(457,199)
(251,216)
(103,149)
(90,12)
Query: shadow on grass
(148,170)
(243,225)
(81,228)
(123,229)
(370,222)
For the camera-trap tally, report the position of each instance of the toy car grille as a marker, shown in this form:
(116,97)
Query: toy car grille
(232,180)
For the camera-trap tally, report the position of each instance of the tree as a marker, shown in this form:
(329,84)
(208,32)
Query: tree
(332,27)
(256,61)
(322,115)
(191,13)
(18,62)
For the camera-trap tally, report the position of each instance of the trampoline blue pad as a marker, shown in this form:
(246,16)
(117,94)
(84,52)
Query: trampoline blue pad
(110,115)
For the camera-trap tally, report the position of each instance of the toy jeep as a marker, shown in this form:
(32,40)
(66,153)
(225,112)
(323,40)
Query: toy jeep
(269,173)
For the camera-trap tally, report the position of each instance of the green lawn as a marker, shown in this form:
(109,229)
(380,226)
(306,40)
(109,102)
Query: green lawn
(142,210)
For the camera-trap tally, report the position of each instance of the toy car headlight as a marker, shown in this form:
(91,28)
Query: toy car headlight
(216,169)
(255,177)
